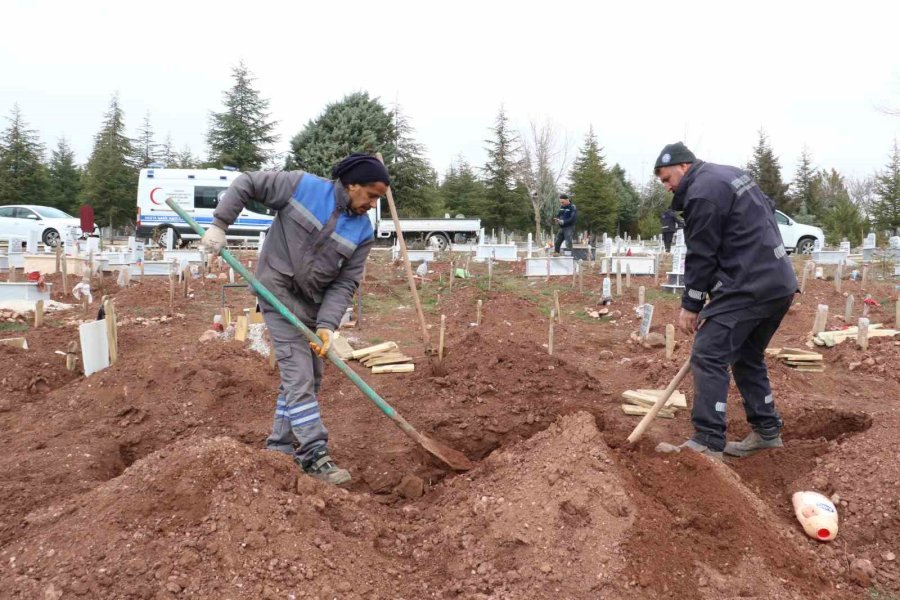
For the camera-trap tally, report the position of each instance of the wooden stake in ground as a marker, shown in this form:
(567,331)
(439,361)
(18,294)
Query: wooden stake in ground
(478,312)
(580,277)
(642,292)
(838,276)
(411,278)
(864,276)
(628,276)
(185,280)
(65,274)
(490,263)
(821,319)
(110,315)
(441,338)
(58,254)
(452,275)
(171,291)
(848,309)
(71,355)
(556,306)
(656,265)
(38,313)
(862,335)
(618,278)
(240,329)
(550,339)
(803,277)
(670,341)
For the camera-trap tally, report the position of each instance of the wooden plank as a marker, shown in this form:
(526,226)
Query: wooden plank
(810,369)
(16,342)
(240,329)
(393,369)
(649,397)
(388,360)
(357,354)
(635,411)
(797,351)
(801,357)
(343,348)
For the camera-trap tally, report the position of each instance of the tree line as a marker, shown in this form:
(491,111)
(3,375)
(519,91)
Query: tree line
(516,189)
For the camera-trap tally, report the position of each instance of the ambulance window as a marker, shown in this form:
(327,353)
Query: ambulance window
(256,207)
(207,196)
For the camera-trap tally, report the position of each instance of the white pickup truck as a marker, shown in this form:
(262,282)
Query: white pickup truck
(798,237)
(435,233)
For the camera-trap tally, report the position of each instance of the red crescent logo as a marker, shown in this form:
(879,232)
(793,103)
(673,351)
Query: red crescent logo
(152,199)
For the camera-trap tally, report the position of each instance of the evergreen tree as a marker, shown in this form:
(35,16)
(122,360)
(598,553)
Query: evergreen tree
(629,201)
(766,170)
(508,204)
(413,181)
(654,201)
(167,153)
(462,192)
(593,189)
(841,218)
(23,177)
(805,194)
(885,209)
(64,179)
(147,151)
(357,123)
(110,177)
(186,160)
(240,135)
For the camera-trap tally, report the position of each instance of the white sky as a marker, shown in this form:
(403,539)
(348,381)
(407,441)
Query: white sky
(642,73)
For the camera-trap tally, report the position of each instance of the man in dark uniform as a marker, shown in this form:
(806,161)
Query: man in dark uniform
(671,223)
(736,259)
(566,220)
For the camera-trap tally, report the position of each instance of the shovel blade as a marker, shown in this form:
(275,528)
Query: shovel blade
(455,459)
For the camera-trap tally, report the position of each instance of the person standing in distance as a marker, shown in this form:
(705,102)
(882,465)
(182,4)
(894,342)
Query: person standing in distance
(566,220)
(735,259)
(312,260)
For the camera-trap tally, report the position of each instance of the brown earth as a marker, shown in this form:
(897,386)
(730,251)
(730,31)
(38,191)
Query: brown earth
(149,479)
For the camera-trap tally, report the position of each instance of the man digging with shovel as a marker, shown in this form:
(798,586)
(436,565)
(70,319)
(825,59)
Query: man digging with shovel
(312,261)
(736,259)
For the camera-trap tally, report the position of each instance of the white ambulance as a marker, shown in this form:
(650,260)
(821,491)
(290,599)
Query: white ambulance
(197,191)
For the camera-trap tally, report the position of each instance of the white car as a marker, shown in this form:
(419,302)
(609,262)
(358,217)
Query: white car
(798,237)
(50,223)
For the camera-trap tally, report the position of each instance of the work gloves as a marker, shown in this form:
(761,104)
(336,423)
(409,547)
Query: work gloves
(324,335)
(213,240)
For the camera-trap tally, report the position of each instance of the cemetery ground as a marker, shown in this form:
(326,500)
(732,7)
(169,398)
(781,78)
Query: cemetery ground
(148,479)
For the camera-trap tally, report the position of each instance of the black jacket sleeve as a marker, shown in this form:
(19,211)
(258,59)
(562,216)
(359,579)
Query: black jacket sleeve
(703,237)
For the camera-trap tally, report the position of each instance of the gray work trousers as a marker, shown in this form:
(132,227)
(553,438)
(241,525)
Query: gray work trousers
(297,416)
(738,340)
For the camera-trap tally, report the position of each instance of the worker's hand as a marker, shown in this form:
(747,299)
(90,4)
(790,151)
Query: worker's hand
(688,322)
(324,335)
(213,240)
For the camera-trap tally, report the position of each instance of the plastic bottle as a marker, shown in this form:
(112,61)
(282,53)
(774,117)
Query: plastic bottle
(817,514)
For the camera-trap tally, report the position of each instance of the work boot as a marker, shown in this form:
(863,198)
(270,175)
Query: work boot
(752,444)
(667,448)
(322,467)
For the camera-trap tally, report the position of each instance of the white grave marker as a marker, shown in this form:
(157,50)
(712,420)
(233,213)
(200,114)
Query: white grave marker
(646,319)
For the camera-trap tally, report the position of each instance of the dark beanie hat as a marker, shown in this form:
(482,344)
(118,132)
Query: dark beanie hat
(563,196)
(674,154)
(361,169)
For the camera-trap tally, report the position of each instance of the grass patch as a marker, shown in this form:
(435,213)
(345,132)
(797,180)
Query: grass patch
(11,327)
(876,594)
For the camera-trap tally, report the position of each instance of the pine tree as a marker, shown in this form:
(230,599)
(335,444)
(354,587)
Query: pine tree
(413,181)
(167,153)
(885,210)
(805,194)
(508,205)
(841,218)
(110,177)
(147,151)
(23,177)
(593,189)
(185,159)
(461,190)
(240,135)
(654,201)
(357,123)
(766,170)
(64,179)
(629,201)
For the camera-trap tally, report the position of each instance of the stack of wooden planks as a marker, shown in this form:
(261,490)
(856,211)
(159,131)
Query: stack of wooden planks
(381,358)
(801,360)
(639,403)
(831,338)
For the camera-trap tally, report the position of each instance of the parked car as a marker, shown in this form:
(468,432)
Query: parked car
(50,223)
(798,237)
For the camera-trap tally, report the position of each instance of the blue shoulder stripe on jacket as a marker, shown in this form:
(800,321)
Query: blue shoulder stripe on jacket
(314,198)
(352,230)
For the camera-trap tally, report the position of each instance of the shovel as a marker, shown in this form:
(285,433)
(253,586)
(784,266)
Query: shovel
(453,458)
(660,402)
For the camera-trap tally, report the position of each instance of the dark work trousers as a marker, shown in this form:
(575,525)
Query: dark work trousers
(297,417)
(737,339)
(667,239)
(564,233)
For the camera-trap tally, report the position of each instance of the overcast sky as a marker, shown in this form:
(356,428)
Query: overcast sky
(642,73)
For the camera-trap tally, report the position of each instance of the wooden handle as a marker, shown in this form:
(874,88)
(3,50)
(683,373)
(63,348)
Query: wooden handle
(426,337)
(660,402)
